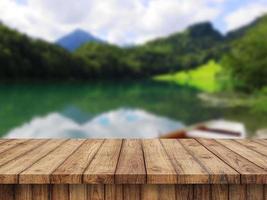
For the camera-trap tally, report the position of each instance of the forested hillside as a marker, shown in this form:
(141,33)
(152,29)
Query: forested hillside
(195,46)
(247,59)
(22,57)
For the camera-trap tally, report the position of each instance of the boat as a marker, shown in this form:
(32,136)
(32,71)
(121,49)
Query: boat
(216,129)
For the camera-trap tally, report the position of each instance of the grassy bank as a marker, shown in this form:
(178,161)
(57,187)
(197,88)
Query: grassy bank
(203,78)
(216,91)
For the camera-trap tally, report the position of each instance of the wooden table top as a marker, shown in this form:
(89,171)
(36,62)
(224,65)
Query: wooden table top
(116,161)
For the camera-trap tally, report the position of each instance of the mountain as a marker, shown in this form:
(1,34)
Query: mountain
(75,39)
(184,50)
(197,37)
(23,58)
(238,33)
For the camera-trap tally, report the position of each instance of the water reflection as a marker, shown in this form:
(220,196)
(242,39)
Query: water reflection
(120,123)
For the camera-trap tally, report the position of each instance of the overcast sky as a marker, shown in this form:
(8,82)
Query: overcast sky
(125,21)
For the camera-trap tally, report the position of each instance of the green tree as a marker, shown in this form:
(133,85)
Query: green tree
(247,59)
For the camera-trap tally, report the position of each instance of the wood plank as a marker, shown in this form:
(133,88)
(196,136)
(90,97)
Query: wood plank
(114,192)
(59,192)
(131,192)
(219,192)
(149,192)
(261,141)
(3,140)
(250,173)
(167,192)
(255,192)
(249,154)
(202,192)
(71,171)
(184,192)
(155,192)
(265,192)
(262,149)
(188,169)
(78,192)
(6,192)
(41,192)
(237,192)
(8,144)
(23,192)
(39,172)
(220,172)
(96,192)
(103,166)
(10,171)
(158,165)
(19,150)
(131,164)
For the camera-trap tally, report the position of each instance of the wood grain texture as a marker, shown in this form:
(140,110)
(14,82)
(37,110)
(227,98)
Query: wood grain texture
(219,192)
(23,192)
(59,192)
(131,164)
(184,192)
(155,192)
(7,192)
(202,192)
(96,192)
(254,145)
(260,141)
(265,192)
(158,165)
(102,168)
(9,172)
(218,170)
(39,172)
(8,144)
(255,192)
(3,140)
(131,192)
(19,150)
(151,161)
(187,168)
(41,192)
(247,153)
(78,192)
(149,192)
(237,192)
(114,192)
(250,173)
(71,171)
(167,192)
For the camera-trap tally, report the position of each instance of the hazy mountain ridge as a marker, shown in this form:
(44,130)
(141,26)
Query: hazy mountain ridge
(24,58)
(76,39)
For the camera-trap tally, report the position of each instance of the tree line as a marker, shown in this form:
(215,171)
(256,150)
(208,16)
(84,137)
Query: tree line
(22,57)
(243,54)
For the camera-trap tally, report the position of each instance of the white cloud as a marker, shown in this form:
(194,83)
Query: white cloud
(112,124)
(245,15)
(118,21)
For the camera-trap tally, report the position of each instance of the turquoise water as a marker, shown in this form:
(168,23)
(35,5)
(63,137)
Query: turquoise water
(107,109)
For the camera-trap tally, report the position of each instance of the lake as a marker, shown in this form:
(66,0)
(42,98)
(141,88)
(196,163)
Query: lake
(142,109)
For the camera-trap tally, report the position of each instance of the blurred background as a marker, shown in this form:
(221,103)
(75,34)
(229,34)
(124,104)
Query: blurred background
(133,68)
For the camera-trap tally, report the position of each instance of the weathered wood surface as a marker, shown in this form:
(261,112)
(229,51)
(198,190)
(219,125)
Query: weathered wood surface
(132,192)
(117,161)
(155,169)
